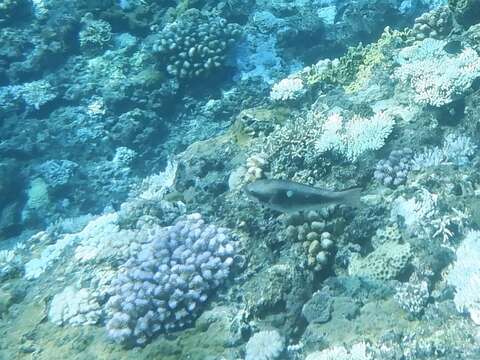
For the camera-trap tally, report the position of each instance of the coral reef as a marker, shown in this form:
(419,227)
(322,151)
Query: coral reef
(353,137)
(357,352)
(318,309)
(413,296)
(120,118)
(287,89)
(57,173)
(74,307)
(95,35)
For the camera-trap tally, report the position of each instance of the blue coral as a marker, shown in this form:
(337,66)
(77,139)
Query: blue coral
(164,287)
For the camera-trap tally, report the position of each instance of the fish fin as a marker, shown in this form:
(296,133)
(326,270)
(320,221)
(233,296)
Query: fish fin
(351,197)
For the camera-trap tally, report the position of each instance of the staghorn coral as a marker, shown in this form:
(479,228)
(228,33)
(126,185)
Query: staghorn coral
(457,149)
(292,143)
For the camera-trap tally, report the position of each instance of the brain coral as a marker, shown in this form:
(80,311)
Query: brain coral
(384,263)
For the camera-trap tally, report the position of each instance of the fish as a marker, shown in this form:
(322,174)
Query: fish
(289,196)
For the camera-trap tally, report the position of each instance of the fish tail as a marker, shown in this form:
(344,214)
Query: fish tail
(351,197)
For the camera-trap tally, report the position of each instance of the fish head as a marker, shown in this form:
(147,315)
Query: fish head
(257,190)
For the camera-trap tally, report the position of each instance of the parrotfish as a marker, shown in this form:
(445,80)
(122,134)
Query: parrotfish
(289,196)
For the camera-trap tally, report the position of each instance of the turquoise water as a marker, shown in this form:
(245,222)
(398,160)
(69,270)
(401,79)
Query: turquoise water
(252,180)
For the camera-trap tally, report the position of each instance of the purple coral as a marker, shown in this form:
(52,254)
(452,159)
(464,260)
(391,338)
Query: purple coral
(394,170)
(164,286)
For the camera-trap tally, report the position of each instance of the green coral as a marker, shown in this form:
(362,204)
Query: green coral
(343,71)
(376,55)
(356,67)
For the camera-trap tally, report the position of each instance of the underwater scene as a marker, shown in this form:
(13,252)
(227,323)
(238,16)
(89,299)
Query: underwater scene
(240,179)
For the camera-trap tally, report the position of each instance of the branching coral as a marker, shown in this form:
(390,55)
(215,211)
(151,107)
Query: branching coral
(163,287)
(436,77)
(354,137)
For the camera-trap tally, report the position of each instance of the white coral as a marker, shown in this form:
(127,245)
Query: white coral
(357,352)
(436,77)
(354,137)
(416,212)
(366,134)
(75,307)
(457,149)
(36,93)
(264,345)
(287,89)
(103,239)
(331,138)
(154,187)
(464,275)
